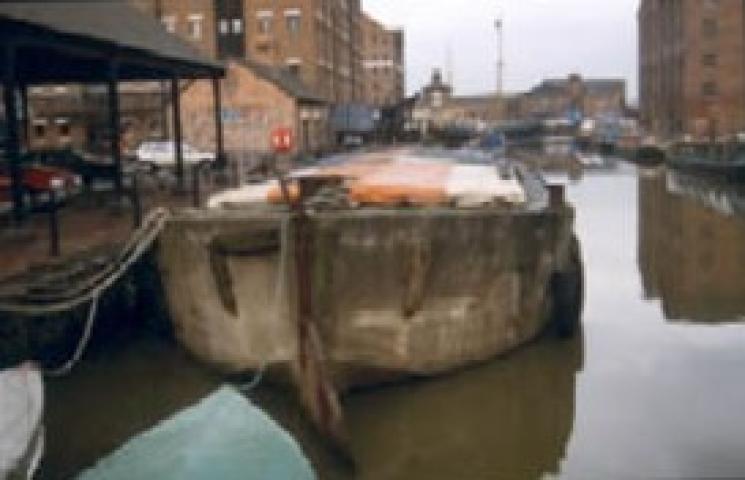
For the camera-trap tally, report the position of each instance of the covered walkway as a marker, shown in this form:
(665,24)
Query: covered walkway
(78,42)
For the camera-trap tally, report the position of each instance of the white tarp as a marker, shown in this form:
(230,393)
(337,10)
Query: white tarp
(21,409)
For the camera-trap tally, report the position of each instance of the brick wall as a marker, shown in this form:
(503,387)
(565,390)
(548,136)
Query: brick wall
(382,63)
(692,73)
(253,107)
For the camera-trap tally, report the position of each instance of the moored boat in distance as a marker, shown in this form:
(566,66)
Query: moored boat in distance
(725,160)
(409,263)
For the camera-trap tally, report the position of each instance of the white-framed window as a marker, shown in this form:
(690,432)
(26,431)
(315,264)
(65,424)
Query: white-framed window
(293,20)
(63,127)
(293,65)
(265,19)
(169,23)
(194,22)
(223,26)
(237,26)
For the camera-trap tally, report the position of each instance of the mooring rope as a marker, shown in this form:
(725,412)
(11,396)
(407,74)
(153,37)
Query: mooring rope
(279,291)
(138,245)
(82,344)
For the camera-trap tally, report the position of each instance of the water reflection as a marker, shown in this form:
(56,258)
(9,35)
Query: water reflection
(510,419)
(691,255)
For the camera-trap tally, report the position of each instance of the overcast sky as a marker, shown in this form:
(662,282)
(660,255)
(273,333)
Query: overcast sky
(542,38)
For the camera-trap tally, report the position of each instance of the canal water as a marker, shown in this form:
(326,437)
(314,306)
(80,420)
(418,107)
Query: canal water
(651,388)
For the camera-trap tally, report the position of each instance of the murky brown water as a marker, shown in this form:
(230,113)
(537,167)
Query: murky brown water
(653,387)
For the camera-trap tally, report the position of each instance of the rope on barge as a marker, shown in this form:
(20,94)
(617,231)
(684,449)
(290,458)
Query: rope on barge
(87,290)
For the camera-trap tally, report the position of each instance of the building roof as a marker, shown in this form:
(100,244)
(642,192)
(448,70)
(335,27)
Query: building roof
(591,85)
(285,80)
(474,100)
(75,40)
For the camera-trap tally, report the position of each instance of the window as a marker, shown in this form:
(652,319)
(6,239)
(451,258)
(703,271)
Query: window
(710,27)
(169,22)
(437,99)
(195,26)
(710,60)
(292,18)
(293,24)
(265,21)
(223,27)
(709,88)
(293,66)
(237,26)
(40,130)
(63,127)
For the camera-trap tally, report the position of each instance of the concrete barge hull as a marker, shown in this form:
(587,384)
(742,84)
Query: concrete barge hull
(398,292)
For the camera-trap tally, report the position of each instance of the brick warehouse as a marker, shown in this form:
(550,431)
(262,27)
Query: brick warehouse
(382,63)
(318,41)
(692,73)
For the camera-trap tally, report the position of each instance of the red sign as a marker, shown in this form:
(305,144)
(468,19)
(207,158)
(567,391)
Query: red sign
(282,140)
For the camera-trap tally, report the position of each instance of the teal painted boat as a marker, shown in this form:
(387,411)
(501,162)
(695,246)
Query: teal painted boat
(224,437)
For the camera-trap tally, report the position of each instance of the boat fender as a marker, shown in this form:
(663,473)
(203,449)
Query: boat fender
(567,290)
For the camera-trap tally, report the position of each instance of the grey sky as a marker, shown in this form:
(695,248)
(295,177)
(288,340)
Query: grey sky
(541,38)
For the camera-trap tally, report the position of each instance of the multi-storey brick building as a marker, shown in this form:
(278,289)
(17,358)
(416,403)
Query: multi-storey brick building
(317,40)
(192,20)
(382,63)
(692,74)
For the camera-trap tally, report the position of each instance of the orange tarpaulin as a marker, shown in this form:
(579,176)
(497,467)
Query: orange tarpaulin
(384,180)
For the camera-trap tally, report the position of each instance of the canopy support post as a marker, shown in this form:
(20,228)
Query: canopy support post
(13,150)
(115,126)
(177,133)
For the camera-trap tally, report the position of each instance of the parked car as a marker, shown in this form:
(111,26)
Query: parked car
(37,181)
(162,154)
(89,168)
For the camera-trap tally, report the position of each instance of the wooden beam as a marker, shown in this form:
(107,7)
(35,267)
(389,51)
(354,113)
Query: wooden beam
(177,133)
(115,126)
(219,131)
(12,146)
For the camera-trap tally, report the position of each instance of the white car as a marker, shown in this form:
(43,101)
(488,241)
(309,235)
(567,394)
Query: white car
(163,155)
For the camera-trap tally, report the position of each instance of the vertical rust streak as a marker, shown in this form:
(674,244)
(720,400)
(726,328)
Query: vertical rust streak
(312,377)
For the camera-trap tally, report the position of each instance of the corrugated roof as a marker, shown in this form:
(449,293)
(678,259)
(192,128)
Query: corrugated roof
(284,79)
(110,22)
